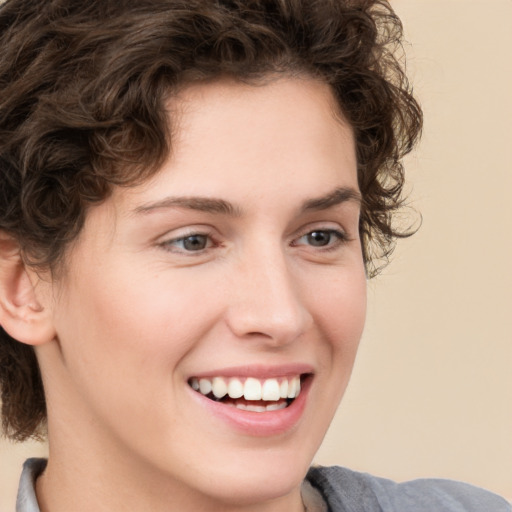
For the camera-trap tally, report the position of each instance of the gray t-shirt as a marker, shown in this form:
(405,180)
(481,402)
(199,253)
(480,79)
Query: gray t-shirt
(346,491)
(349,491)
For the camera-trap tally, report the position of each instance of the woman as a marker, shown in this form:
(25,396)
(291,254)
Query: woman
(193,196)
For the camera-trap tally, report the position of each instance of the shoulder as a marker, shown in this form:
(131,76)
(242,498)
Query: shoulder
(347,490)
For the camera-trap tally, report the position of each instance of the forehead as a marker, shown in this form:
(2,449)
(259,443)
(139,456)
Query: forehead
(228,133)
(270,106)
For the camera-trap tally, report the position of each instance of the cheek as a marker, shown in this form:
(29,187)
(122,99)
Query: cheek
(341,311)
(138,319)
(122,339)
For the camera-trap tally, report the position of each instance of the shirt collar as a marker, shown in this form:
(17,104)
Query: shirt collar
(27,500)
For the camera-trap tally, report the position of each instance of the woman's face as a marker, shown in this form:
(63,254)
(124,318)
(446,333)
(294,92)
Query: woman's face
(237,267)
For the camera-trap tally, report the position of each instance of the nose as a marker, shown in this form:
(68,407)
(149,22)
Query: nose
(267,302)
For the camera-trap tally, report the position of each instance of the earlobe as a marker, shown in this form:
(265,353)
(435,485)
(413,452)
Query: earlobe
(22,314)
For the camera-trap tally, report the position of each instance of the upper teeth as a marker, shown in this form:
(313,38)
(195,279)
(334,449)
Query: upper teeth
(250,388)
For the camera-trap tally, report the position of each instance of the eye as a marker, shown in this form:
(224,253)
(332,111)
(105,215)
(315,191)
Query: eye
(319,238)
(191,243)
(328,238)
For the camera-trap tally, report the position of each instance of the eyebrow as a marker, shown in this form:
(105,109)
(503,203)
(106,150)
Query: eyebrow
(203,204)
(334,198)
(215,205)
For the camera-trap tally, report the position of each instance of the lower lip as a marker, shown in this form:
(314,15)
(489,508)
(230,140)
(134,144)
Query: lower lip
(268,423)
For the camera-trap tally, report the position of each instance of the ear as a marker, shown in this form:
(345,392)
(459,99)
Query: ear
(22,314)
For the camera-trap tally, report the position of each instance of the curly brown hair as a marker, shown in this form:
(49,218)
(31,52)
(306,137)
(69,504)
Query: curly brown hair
(82,110)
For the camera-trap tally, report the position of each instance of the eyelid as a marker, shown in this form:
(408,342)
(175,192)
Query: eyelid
(339,238)
(338,233)
(166,242)
(333,227)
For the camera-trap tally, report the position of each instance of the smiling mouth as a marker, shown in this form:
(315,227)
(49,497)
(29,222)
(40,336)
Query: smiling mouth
(250,394)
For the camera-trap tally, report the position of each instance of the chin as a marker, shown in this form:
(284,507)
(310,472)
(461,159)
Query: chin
(258,485)
(238,475)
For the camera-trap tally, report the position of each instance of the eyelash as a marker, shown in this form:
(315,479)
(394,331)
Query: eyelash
(168,244)
(340,238)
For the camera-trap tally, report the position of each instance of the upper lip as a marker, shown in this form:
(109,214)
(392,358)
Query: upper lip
(258,371)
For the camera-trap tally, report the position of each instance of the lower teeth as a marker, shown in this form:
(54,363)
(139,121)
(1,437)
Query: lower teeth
(259,408)
(252,407)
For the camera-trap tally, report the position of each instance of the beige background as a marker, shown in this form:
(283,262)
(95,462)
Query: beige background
(431,393)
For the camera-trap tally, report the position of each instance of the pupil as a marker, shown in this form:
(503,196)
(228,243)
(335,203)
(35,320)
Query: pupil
(319,238)
(194,242)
